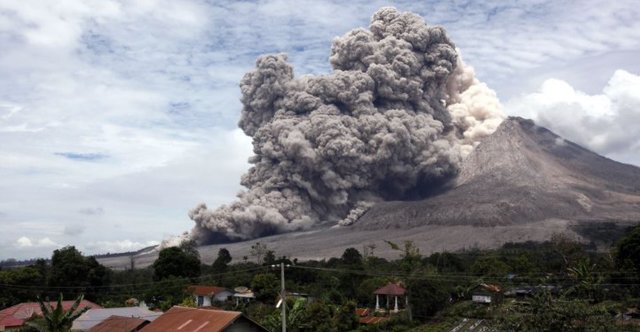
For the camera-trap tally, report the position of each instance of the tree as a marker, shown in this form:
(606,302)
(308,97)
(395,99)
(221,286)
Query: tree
(224,258)
(69,268)
(587,281)
(545,313)
(490,267)
(190,247)
(345,317)
(426,297)
(174,261)
(320,317)
(627,254)
(410,258)
(57,320)
(258,250)
(270,257)
(296,317)
(447,262)
(265,286)
(351,256)
(167,292)
(568,249)
(29,280)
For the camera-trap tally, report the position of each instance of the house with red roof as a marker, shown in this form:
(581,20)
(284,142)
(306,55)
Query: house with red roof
(205,296)
(184,319)
(15,316)
(120,324)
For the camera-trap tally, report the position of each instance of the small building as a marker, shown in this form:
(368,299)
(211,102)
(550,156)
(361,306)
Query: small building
(14,317)
(120,324)
(184,319)
(93,317)
(391,290)
(482,296)
(485,293)
(205,296)
(243,294)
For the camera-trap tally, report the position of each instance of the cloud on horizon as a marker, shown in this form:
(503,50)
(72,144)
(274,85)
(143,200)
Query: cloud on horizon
(606,123)
(25,242)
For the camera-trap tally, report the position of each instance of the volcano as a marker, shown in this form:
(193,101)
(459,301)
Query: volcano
(522,183)
(522,173)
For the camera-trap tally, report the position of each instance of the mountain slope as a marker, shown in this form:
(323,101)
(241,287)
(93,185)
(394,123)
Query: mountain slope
(522,183)
(520,174)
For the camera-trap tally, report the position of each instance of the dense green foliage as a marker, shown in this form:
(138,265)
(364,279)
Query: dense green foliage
(176,262)
(628,251)
(69,268)
(589,288)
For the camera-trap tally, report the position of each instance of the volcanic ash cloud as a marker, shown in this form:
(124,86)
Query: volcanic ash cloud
(398,113)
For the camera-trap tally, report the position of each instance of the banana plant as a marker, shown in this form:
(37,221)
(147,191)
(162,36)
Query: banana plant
(57,319)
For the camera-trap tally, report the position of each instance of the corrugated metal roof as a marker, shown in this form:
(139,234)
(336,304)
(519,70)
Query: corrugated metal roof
(94,316)
(372,320)
(17,314)
(390,289)
(119,324)
(185,319)
(361,312)
(206,290)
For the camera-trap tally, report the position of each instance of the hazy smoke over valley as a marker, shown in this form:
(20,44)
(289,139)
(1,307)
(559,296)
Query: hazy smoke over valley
(396,116)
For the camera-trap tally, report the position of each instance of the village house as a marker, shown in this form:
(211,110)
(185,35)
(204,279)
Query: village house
(243,294)
(119,324)
(93,317)
(14,317)
(485,293)
(205,296)
(184,319)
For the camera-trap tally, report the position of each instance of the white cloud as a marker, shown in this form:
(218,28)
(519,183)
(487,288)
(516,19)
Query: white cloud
(606,123)
(25,242)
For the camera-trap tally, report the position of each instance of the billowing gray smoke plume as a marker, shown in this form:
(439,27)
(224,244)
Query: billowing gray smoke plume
(396,115)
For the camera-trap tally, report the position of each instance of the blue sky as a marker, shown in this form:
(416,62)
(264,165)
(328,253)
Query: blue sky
(117,117)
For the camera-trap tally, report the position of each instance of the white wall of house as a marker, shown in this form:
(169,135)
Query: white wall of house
(222,296)
(207,301)
(481,298)
(202,301)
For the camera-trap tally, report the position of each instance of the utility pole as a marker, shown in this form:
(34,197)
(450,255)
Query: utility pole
(283,297)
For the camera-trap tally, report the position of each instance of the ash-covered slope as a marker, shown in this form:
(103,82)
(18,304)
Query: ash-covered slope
(522,183)
(522,173)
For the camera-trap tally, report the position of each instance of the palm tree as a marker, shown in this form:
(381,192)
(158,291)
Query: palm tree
(57,320)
